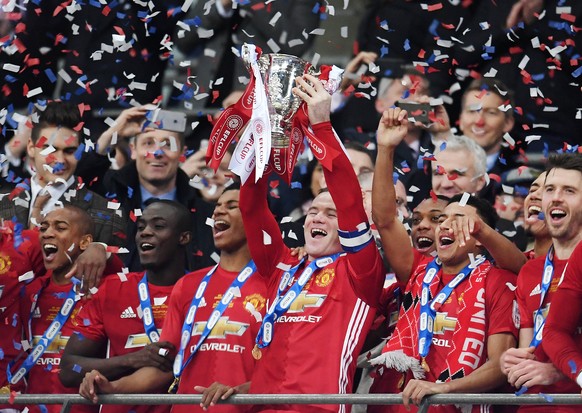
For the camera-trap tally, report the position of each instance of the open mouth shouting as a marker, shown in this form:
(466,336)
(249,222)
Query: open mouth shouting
(220,226)
(446,240)
(423,244)
(49,251)
(146,246)
(557,215)
(318,233)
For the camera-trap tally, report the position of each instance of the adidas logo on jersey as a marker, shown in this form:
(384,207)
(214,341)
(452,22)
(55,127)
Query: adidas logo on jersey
(536,291)
(128,313)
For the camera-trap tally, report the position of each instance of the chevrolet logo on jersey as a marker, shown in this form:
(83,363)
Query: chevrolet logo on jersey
(138,340)
(57,344)
(442,323)
(223,327)
(305,300)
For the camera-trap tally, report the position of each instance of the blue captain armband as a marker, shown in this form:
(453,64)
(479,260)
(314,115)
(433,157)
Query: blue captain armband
(354,241)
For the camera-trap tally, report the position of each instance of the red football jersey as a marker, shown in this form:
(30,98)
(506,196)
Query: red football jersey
(114,314)
(225,355)
(43,377)
(528,297)
(18,256)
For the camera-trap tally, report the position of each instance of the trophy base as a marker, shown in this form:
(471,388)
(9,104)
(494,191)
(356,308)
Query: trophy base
(279,140)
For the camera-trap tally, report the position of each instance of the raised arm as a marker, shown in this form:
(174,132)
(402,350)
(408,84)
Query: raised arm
(263,235)
(506,255)
(341,180)
(395,240)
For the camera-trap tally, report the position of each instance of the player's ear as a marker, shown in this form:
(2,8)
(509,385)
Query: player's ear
(185,238)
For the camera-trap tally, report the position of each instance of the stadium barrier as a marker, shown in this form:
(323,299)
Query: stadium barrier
(67,400)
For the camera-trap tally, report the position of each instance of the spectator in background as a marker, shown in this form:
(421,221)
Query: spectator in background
(153,173)
(54,150)
(113,55)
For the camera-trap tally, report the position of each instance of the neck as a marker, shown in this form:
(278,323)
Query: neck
(159,188)
(58,277)
(541,246)
(455,268)
(563,248)
(166,273)
(235,261)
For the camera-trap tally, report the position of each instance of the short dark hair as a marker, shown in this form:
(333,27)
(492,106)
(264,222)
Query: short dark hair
(357,146)
(483,207)
(56,114)
(85,223)
(492,85)
(572,161)
(234,186)
(181,213)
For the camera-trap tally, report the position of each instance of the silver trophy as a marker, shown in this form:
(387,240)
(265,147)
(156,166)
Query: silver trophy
(279,72)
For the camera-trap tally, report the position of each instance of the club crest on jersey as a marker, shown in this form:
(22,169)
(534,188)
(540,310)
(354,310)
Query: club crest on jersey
(256,300)
(325,277)
(5,264)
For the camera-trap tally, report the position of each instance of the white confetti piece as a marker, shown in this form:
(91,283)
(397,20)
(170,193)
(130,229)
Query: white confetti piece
(292,235)
(266,238)
(283,266)
(48,150)
(275,18)
(11,68)
(532,138)
(464,199)
(122,277)
(414,189)
(113,205)
(27,276)
(273,46)
(507,189)
(210,222)
(507,138)
(509,234)
(491,73)
(251,309)
(295,42)
(215,257)
(286,219)
(34,92)
(523,62)
(317,32)
(344,32)
(160,300)
(25,345)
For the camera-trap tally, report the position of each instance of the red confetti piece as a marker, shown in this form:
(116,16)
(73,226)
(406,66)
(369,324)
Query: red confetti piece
(106,11)
(258,6)
(132,216)
(76,69)
(521,169)
(421,54)
(515,50)
(495,177)
(434,7)
(568,17)
(448,26)
(274,184)
(78,128)
(453,176)
(433,196)
(41,142)
(215,94)
(505,59)
(12,397)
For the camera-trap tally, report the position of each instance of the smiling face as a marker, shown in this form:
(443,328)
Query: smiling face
(425,220)
(55,158)
(320,230)
(62,239)
(228,231)
(483,121)
(157,154)
(159,236)
(532,206)
(453,255)
(562,203)
(454,173)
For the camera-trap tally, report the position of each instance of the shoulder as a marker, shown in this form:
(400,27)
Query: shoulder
(499,281)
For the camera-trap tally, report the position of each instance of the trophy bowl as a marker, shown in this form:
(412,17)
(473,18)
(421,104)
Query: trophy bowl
(279,72)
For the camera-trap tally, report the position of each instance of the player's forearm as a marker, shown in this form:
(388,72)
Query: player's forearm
(258,221)
(395,239)
(144,380)
(74,368)
(503,251)
(485,378)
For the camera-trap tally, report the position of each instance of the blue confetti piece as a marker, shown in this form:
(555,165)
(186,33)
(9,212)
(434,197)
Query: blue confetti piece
(384,51)
(573,367)
(315,9)
(521,391)
(521,190)
(1,354)
(323,16)
(394,177)
(159,152)
(577,72)
(433,27)
(43,408)
(129,192)
(17,345)
(79,151)
(502,160)
(547,397)
(541,216)
(86,322)
(50,74)
(14,320)
(443,146)
(77,368)
(88,196)
(296,185)
(407,45)
(419,162)
(48,367)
